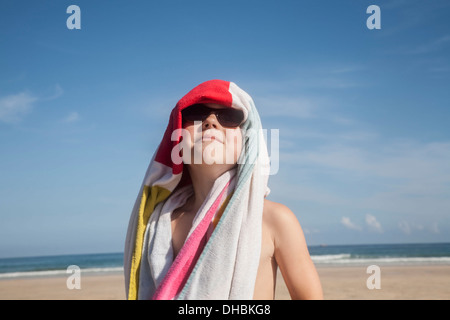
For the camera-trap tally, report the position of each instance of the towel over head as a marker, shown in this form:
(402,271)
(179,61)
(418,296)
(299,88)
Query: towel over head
(220,256)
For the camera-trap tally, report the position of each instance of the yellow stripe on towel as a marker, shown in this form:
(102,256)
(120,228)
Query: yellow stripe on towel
(151,196)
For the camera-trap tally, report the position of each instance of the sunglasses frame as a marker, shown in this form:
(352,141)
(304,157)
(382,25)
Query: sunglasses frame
(219,113)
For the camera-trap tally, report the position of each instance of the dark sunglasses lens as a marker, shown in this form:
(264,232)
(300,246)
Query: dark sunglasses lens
(230,117)
(196,112)
(227,117)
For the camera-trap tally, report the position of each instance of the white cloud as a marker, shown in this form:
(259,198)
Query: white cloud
(349,224)
(434,228)
(310,231)
(72,117)
(58,91)
(409,227)
(404,227)
(373,224)
(14,107)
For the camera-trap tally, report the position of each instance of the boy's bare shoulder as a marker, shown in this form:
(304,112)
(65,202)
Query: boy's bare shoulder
(277,215)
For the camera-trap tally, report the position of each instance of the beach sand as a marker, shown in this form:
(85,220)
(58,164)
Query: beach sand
(343,283)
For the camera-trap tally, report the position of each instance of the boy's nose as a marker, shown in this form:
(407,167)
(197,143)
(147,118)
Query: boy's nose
(210,122)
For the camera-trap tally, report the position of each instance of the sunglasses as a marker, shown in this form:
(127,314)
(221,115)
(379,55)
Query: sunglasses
(227,117)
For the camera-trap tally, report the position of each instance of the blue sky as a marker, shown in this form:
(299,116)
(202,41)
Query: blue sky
(363,114)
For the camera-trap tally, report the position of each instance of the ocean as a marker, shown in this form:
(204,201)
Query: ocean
(332,255)
(57,265)
(381,254)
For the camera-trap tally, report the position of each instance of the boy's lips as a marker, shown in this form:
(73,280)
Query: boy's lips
(211,136)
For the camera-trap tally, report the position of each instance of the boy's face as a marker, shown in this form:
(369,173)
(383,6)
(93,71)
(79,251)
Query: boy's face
(213,143)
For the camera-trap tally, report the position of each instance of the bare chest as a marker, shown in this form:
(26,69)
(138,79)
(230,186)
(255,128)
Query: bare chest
(181,224)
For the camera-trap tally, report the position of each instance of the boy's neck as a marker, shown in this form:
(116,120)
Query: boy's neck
(203,178)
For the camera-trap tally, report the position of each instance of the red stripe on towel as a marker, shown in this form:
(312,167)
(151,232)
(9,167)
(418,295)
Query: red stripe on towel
(181,268)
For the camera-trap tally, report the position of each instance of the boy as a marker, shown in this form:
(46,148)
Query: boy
(201,227)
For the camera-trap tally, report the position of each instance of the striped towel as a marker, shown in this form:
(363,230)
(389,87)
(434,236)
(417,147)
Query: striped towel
(220,257)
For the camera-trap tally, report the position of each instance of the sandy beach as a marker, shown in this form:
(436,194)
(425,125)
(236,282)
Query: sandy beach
(343,283)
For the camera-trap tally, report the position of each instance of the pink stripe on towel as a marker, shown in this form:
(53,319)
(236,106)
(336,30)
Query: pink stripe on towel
(183,264)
